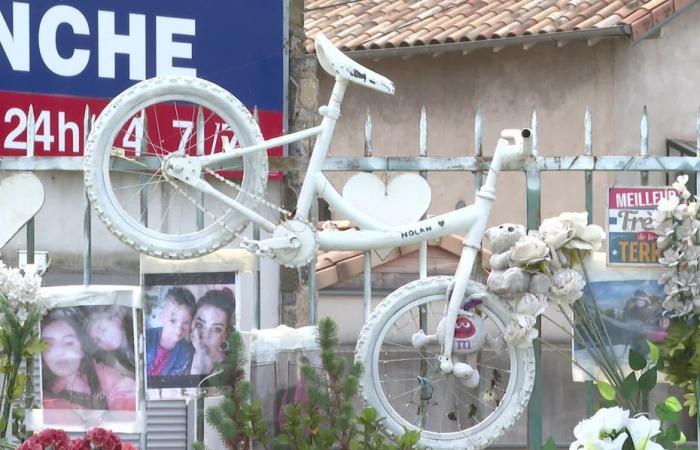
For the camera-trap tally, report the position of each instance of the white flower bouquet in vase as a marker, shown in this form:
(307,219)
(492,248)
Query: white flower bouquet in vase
(21,308)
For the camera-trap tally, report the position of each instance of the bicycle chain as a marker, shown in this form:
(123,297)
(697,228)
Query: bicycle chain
(285,213)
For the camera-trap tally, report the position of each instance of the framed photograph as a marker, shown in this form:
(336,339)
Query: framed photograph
(189,309)
(188,318)
(89,372)
(629,302)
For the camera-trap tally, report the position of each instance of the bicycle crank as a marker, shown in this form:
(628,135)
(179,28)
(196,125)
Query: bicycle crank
(292,244)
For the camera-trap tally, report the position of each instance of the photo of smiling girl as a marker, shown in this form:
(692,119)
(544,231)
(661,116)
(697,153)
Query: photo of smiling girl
(213,320)
(72,376)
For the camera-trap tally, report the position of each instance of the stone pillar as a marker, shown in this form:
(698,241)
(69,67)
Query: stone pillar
(303,108)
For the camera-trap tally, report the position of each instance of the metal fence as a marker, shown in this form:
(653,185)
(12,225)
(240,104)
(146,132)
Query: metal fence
(532,166)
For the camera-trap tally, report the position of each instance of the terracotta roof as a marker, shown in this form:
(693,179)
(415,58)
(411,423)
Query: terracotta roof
(354,25)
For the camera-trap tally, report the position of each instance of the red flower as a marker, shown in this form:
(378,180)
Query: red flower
(104,439)
(129,446)
(31,444)
(79,444)
(98,437)
(57,439)
(112,443)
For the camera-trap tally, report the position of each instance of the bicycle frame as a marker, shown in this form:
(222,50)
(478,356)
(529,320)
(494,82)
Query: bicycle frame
(374,234)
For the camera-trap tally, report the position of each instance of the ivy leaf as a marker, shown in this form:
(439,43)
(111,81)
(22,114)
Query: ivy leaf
(647,380)
(629,388)
(636,360)
(653,352)
(606,390)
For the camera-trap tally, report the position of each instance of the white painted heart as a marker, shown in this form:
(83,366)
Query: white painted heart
(21,197)
(401,202)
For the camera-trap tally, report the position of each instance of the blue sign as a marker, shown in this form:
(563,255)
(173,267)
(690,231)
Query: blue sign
(93,50)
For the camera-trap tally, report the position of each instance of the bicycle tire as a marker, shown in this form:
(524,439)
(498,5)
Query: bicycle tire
(511,406)
(98,164)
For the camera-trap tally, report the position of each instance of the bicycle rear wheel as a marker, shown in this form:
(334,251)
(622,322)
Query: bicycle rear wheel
(408,389)
(123,166)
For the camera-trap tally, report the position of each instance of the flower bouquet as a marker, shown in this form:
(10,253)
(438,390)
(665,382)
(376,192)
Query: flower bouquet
(95,439)
(677,225)
(21,308)
(614,429)
(555,250)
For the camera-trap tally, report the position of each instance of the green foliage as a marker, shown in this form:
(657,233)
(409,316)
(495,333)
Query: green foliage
(550,444)
(637,361)
(690,400)
(327,420)
(668,413)
(606,390)
(681,351)
(237,419)
(637,385)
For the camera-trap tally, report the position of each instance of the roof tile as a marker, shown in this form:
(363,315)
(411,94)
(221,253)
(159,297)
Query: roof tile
(366,24)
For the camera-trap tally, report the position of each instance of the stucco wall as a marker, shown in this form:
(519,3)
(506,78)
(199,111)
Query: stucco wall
(613,77)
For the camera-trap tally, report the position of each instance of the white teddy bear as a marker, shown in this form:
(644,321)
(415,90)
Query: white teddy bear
(506,280)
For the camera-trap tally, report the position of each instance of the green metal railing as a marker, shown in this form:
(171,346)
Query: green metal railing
(532,167)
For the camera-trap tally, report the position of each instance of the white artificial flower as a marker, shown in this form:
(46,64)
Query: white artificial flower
(676,306)
(679,184)
(531,305)
(613,419)
(576,220)
(528,250)
(667,206)
(591,238)
(567,286)
(586,432)
(641,430)
(556,233)
(671,257)
(686,280)
(521,329)
(692,209)
(687,229)
(665,228)
(692,255)
(658,217)
(663,242)
(591,434)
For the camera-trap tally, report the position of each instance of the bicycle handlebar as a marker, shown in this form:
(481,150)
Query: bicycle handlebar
(522,139)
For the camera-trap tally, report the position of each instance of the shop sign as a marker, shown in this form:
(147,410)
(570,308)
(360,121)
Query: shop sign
(631,237)
(59,57)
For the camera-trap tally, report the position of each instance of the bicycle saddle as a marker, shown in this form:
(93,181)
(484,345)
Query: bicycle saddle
(337,64)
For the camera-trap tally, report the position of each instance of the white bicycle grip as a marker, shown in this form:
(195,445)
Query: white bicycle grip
(522,139)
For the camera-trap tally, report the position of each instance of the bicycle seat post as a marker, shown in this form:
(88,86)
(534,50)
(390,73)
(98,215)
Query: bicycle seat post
(331,114)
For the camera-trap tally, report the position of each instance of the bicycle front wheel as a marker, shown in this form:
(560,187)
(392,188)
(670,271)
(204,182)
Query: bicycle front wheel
(124,155)
(408,389)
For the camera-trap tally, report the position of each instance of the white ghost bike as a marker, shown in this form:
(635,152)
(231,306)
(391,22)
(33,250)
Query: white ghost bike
(159,169)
